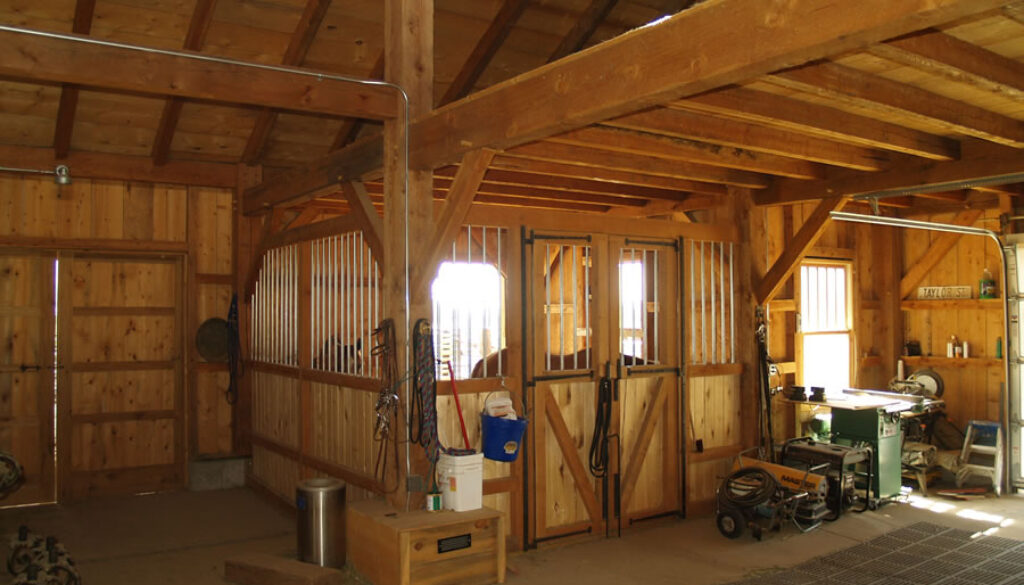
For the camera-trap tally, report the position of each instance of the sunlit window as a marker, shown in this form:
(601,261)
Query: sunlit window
(825,325)
(468,324)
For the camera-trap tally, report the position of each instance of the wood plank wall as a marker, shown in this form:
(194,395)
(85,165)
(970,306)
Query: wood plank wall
(879,257)
(972,386)
(117,218)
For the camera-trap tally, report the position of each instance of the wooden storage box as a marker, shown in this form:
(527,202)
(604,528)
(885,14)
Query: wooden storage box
(421,548)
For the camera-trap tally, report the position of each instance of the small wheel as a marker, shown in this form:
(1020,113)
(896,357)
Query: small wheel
(730,522)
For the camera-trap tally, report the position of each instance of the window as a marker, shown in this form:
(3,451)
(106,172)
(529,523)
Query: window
(468,297)
(825,325)
(639,306)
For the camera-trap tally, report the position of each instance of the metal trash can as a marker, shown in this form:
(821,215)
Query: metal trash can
(320,503)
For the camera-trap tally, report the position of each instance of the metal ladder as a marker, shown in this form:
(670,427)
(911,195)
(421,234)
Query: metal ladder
(982,453)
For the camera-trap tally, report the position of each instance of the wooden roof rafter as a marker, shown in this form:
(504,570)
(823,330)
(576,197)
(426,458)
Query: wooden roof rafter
(198,26)
(298,45)
(82,24)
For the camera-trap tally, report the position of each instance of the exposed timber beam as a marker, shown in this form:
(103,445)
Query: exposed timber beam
(797,249)
(857,88)
(120,167)
(369,220)
(583,29)
(981,161)
(82,24)
(585,156)
(570,184)
(40,58)
(295,186)
(941,246)
(614,177)
(751,138)
(199,25)
(485,49)
(651,65)
(453,214)
(680,149)
(301,39)
(806,118)
(662,207)
(958,61)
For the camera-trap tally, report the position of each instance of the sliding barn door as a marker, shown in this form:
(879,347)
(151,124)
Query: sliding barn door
(121,391)
(27,372)
(604,346)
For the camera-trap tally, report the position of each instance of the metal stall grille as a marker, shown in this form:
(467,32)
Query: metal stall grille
(344,305)
(712,314)
(468,297)
(639,306)
(275,308)
(567,307)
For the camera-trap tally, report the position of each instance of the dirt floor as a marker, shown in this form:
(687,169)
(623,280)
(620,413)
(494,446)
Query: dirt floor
(183,538)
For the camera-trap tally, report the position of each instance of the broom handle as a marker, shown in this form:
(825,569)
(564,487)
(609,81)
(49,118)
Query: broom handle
(458,406)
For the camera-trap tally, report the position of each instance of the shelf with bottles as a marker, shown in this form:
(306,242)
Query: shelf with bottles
(950,362)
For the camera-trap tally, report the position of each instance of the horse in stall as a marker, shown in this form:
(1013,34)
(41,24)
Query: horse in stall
(348,358)
(572,361)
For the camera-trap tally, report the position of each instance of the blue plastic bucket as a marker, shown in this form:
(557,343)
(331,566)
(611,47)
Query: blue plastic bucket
(501,437)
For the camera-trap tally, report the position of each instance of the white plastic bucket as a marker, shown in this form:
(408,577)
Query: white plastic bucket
(462,481)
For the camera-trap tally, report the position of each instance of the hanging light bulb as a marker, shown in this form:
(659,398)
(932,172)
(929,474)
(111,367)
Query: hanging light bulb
(62,175)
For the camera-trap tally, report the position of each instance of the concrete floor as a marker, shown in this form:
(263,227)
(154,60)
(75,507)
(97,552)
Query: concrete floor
(183,538)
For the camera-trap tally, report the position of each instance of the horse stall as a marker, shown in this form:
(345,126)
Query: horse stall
(620,351)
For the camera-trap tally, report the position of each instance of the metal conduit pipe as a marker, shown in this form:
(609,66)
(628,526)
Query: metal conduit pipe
(403,163)
(1004,405)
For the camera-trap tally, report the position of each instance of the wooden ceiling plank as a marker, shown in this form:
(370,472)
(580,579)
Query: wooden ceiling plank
(847,85)
(980,161)
(121,167)
(612,176)
(596,157)
(298,46)
(957,196)
(957,61)
(453,215)
(584,28)
(804,117)
(370,221)
(796,249)
(575,184)
(485,49)
(199,25)
(751,137)
(942,244)
(666,147)
(44,59)
(706,47)
(350,128)
(68,105)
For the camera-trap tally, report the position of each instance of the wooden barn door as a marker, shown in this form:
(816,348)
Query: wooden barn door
(602,310)
(27,371)
(646,339)
(121,391)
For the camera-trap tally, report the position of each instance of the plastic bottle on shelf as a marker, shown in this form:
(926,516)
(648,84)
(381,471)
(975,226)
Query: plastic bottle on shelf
(986,286)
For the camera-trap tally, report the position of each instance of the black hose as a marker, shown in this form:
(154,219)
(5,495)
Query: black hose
(748,487)
(602,420)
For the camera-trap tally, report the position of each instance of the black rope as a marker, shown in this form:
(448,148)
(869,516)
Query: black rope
(767,432)
(234,352)
(602,420)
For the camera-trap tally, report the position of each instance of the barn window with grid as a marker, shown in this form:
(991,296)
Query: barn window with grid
(825,325)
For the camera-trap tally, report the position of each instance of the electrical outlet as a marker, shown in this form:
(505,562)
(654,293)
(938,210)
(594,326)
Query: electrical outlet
(699,445)
(415,484)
